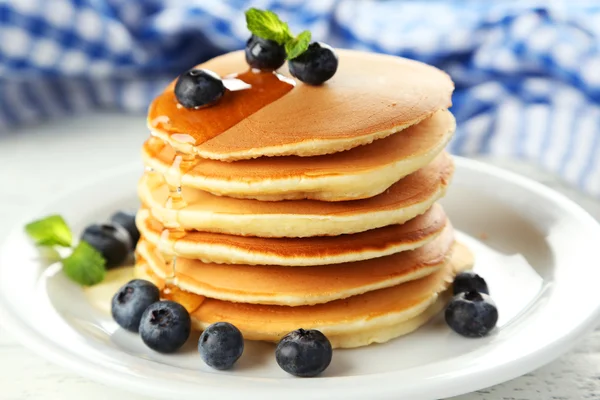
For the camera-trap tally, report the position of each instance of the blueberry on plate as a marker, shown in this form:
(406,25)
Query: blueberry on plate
(221,345)
(304,353)
(472,314)
(112,241)
(264,54)
(130,302)
(316,65)
(127,221)
(198,88)
(469,281)
(165,326)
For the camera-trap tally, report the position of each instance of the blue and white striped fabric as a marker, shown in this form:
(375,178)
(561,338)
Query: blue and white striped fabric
(527,74)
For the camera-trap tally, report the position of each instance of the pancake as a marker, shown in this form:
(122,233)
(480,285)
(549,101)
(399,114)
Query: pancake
(370,97)
(373,317)
(301,285)
(320,250)
(411,196)
(362,172)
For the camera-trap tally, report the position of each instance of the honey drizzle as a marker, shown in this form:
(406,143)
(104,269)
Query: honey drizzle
(247,93)
(182,164)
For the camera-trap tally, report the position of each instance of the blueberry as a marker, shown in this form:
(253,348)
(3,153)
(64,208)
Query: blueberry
(111,240)
(198,88)
(264,54)
(165,326)
(472,314)
(469,281)
(127,221)
(304,353)
(316,65)
(130,302)
(221,345)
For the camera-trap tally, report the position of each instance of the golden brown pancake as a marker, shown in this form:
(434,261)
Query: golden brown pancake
(362,172)
(301,285)
(370,97)
(376,316)
(318,250)
(404,200)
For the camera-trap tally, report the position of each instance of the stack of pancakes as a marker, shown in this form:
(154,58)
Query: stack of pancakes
(317,210)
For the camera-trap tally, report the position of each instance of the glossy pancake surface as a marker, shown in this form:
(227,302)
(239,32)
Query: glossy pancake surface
(411,196)
(318,250)
(362,172)
(376,316)
(301,285)
(371,96)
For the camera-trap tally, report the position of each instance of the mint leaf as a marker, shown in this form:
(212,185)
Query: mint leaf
(267,25)
(85,265)
(50,231)
(298,45)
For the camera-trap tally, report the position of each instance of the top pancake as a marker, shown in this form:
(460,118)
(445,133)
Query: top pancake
(370,97)
(358,173)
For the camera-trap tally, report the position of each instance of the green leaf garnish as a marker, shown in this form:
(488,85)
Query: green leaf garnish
(50,231)
(267,25)
(85,265)
(297,45)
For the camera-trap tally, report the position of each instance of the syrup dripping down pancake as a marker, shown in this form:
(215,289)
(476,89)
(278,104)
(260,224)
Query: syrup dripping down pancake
(362,172)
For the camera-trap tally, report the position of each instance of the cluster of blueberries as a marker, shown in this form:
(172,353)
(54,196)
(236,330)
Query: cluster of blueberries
(315,66)
(197,88)
(115,240)
(165,326)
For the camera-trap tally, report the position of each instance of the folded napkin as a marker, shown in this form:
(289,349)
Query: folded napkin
(527,73)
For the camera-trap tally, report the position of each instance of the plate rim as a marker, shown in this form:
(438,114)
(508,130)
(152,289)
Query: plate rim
(371,385)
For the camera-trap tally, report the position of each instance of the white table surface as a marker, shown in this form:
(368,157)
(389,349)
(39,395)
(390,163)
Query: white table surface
(36,162)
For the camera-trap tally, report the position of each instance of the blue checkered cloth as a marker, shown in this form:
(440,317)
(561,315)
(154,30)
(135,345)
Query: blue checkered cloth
(527,74)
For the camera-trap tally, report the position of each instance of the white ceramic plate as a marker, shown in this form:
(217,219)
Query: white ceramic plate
(537,250)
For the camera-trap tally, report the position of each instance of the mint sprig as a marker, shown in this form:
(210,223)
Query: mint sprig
(85,265)
(267,25)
